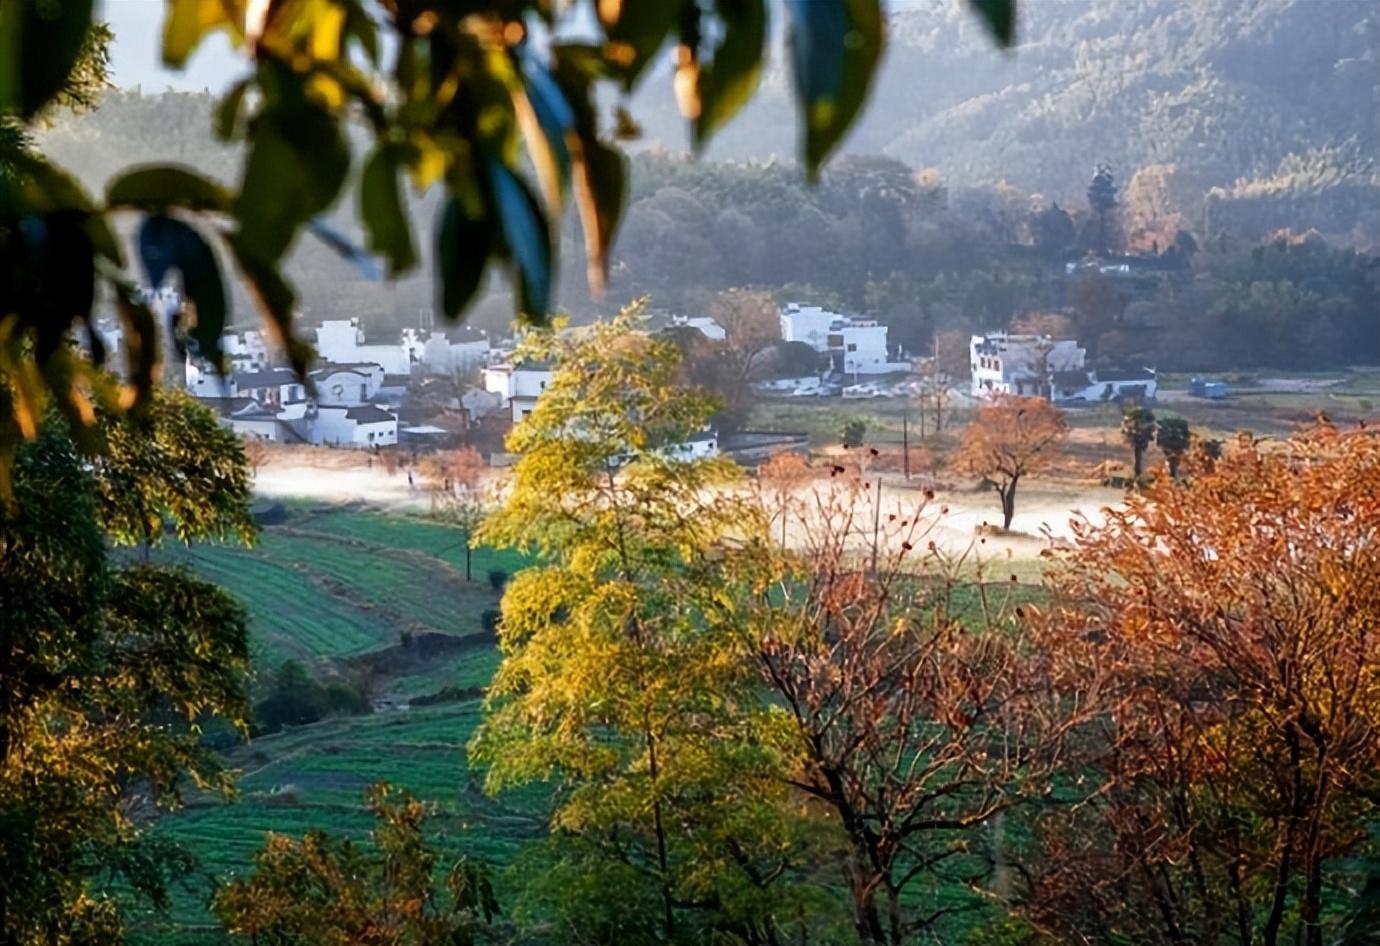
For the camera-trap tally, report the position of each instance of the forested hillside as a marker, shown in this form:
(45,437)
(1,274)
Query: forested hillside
(1223,89)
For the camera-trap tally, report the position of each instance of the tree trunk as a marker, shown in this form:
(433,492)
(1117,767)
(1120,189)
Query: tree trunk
(1008,505)
(1138,455)
(663,860)
(1001,868)
(866,920)
(1173,460)
(1310,911)
(1284,872)
(468,553)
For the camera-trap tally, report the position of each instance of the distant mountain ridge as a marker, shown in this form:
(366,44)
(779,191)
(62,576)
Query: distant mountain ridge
(1226,90)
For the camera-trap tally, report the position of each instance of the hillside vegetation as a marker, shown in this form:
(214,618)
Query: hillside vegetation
(1225,90)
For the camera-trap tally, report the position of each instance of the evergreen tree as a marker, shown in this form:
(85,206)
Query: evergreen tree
(1102,200)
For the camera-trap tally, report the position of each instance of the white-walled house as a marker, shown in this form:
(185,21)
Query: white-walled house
(854,346)
(246,350)
(1037,365)
(520,385)
(460,349)
(858,346)
(272,387)
(700,446)
(1109,384)
(361,426)
(1020,364)
(342,341)
(247,417)
(347,385)
(809,324)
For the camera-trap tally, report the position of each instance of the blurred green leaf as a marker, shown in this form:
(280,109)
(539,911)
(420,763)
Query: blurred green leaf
(463,244)
(166,244)
(276,301)
(297,164)
(40,43)
(141,344)
(527,238)
(1000,17)
(227,116)
(726,83)
(381,207)
(601,185)
(636,30)
(157,187)
(360,25)
(187,23)
(46,188)
(600,170)
(545,118)
(59,268)
(835,47)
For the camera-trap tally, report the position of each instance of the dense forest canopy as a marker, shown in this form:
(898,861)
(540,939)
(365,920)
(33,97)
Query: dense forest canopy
(1225,90)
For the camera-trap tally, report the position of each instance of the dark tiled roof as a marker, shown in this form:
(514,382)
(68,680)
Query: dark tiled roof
(258,413)
(1071,379)
(327,365)
(264,379)
(1124,374)
(464,333)
(368,414)
(225,406)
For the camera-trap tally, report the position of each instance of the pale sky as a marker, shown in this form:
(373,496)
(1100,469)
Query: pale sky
(136,57)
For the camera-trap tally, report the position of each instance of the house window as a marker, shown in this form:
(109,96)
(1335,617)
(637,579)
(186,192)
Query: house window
(852,347)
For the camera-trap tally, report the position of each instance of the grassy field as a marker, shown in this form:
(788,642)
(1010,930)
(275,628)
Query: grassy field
(326,586)
(1263,402)
(341,581)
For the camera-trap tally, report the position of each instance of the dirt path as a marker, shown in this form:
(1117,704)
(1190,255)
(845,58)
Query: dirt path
(338,477)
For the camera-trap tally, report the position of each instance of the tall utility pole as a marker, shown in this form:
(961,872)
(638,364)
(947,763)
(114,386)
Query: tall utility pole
(876,520)
(905,445)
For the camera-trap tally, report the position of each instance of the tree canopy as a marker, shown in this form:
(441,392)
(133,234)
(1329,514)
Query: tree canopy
(1225,624)
(107,672)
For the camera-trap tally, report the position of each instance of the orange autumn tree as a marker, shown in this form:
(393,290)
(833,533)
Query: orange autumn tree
(780,479)
(1010,438)
(914,720)
(1229,628)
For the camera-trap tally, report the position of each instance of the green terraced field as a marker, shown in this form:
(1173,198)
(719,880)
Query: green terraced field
(339,581)
(332,583)
(314,778)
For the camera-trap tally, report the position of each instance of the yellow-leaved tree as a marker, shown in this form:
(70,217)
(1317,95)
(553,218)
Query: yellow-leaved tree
(624,678)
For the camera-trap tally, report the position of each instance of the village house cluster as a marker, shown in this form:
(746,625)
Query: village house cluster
(425,387)
(358,390)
